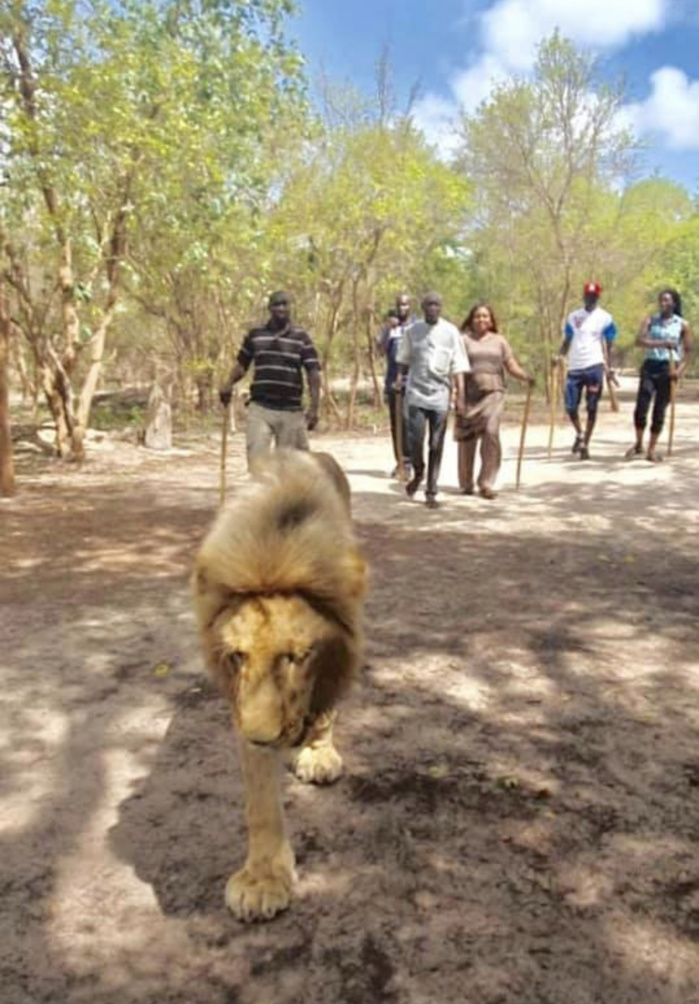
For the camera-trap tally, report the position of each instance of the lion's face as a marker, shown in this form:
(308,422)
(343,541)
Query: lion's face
(271,652)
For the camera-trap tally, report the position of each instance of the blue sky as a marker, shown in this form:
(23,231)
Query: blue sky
(456,48)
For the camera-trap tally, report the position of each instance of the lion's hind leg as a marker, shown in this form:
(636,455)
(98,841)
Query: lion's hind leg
(318,762)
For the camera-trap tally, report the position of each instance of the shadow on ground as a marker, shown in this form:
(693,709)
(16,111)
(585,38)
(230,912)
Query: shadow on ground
(519,818)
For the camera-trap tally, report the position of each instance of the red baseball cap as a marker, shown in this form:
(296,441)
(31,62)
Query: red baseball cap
(592,288)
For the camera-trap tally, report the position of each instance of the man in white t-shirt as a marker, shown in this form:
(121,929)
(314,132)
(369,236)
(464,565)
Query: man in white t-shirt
(588,333)
(431,354)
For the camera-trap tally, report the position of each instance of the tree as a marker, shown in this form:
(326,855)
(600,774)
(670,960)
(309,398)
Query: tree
(368,205)
(537,152)
(7,473)
(109,104)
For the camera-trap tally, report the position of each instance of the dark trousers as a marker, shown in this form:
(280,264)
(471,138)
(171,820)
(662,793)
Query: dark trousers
(419,419)
(655,381)
(393,399)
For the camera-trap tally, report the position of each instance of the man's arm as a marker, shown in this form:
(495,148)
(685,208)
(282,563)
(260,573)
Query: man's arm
(460,367)
(311,364)
(237,373)
(403,359)
(460,382)
(239,370)
(313,377)
(608,336)
(568,335)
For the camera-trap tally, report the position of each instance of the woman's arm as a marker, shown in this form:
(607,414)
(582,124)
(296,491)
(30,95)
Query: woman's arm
(646,342)
(687,340)
(515,370)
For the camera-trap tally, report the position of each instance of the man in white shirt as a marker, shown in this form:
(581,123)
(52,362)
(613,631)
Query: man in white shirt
(431,354)
(588,333)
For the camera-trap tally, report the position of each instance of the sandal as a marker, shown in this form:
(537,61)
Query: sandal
(654,458)
(488,493)
(584,453)
(577,445)
(633,451)
(432,503)
(468,490)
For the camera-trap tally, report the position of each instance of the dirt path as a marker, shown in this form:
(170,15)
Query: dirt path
(520,815)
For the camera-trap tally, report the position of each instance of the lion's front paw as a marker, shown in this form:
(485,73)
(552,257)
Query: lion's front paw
(253,895)
(318,766)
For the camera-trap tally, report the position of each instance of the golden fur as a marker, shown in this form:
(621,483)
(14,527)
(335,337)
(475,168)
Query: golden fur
(279,584)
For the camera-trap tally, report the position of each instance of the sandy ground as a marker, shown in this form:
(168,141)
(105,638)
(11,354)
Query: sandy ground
(519,819)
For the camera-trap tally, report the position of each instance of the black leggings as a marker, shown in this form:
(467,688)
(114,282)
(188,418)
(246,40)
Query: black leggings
(655,380)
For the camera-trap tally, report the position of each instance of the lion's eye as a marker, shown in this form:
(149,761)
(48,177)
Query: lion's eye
(297,658)
(234,660)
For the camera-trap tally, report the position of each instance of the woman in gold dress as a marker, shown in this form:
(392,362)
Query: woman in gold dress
(491,357)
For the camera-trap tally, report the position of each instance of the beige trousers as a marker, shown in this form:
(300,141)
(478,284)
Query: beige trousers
(266,426)
(491,457)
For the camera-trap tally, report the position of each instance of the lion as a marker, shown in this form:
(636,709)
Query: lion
(279,584)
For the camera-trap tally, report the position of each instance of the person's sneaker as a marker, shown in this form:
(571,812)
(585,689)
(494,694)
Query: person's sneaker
(577,445)
(584,453)
(413,485)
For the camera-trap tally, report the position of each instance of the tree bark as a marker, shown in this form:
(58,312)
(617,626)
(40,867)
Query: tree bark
(371,346)
(352,399)
(7,470)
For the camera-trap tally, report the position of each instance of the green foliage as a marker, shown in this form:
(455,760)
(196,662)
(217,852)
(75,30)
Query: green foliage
(171,146)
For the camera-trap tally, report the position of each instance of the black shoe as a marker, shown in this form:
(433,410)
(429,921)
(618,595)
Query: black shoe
(413,485)
(578,445)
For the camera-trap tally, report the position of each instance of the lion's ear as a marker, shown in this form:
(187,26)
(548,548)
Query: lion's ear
(334,667)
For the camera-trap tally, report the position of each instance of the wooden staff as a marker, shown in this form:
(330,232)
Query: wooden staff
(611,387)
(553,395)
(673,400)
(398,419)
(525,420)
(224,453)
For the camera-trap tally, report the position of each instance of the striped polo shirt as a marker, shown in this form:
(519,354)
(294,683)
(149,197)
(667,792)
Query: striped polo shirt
(279,357)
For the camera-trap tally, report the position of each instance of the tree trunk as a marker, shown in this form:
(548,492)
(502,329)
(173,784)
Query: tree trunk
(370,328)
(329,400)
(352,399)
(7,470)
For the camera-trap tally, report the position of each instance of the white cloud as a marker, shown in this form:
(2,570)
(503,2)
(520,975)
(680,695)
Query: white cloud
(671,109)
(508,33)
(473,85)
(511,29)
(435,116)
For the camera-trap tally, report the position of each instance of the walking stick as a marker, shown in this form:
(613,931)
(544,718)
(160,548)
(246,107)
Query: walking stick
(398,419)
(673,400)
(525,420)
(611,387)
(224,452)
(553,394)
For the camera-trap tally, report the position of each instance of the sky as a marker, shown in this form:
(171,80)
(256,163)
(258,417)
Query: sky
(456,49)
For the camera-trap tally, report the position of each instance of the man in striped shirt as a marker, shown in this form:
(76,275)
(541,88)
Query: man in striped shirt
(280,354)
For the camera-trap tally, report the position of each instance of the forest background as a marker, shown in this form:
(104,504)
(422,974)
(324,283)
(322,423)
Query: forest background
(166,164)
